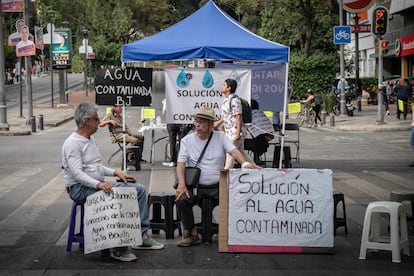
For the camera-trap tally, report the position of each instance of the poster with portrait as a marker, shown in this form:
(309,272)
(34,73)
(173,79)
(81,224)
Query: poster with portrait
(25,47)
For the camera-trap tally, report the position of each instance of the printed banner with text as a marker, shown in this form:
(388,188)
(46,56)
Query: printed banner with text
(272,207)
(187,90)
(268,83)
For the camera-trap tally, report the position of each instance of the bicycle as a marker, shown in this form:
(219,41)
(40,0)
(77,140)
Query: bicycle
(307,114)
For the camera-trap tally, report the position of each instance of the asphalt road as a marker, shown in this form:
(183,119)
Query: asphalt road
(34,209)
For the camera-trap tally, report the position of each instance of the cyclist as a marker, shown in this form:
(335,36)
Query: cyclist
(316,103)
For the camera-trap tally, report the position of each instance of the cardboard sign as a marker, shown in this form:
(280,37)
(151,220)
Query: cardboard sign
(273,208)
(124,86)
(112,220)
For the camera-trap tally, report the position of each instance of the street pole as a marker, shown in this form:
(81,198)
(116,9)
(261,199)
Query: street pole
(342,62)
(85,45)
(66,23)
(28,60)
(51,57)
(380,118)
(358,88)
(3,105)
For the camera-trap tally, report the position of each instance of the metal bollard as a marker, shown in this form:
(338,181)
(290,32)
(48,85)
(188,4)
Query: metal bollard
(323,113)
(359,104)
(33,123)
(40,122)
(332,121)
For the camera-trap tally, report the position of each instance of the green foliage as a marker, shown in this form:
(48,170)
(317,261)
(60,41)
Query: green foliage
(303,25)
(328,103)
(316,72)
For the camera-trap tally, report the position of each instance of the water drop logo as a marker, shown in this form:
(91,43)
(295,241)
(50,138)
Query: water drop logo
(183,79)
(208,80)
(235,76)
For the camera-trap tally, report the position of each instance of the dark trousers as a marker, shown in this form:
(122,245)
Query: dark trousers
(386,102)
(175,133)
(185,204)
(405,109)
(317,110)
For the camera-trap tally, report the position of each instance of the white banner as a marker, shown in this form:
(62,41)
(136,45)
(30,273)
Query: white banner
(272,207)
(112,220)
(187,90)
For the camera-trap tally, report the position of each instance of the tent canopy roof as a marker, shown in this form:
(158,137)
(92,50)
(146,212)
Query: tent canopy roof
(209,33)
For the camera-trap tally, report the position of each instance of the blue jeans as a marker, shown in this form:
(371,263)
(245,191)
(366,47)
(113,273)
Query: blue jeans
(412,137)
(79,193)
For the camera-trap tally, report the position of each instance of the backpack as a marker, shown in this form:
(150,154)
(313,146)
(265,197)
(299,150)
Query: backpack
(246,110)
(318,99)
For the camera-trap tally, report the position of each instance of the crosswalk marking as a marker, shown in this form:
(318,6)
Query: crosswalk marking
(407,182)
(24,218)
(362,185)
(28,216)
(11,181)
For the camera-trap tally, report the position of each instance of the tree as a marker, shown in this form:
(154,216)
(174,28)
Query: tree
(109,23)
(303,25)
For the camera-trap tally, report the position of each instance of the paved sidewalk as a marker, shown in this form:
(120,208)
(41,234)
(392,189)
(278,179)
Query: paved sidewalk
(365,120)
(52,117)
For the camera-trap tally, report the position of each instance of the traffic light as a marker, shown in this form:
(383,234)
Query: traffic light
(380,21)
(383,49)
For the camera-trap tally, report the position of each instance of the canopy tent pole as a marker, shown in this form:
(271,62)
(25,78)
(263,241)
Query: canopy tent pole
(123,140)
(282,141)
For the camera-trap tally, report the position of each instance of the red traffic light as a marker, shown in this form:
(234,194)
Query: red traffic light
(380,21)
(380,13)
(384,44)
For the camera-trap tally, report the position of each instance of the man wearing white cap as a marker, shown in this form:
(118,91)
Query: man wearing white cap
(212,162)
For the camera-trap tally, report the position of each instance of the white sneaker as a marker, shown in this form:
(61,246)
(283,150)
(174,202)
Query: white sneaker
(388,112)
(149,243)
(123,254)
(169,164)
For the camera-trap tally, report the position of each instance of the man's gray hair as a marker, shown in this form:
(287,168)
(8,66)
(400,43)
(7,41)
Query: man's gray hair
(84,111)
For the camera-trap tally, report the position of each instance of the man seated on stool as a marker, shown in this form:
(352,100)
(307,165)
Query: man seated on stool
(210,165)
(115,119)
(84,175)
(259,132)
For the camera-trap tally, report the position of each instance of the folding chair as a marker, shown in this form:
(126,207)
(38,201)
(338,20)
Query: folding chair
(115,141)
(293,138)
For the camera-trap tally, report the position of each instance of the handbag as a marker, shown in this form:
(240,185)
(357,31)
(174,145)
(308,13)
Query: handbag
(192,174)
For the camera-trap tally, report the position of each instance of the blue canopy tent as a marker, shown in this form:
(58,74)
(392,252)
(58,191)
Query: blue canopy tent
(210,34)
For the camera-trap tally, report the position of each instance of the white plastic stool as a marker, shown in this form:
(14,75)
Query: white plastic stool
(398,239)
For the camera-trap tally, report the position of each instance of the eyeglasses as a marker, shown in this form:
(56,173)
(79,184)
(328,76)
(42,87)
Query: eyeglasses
(94,118)
(200,121)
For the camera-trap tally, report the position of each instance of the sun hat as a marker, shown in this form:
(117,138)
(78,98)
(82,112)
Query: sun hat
(205,113)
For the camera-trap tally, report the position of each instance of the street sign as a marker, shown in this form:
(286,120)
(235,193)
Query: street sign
(342,34)
(357,6)
(361,28)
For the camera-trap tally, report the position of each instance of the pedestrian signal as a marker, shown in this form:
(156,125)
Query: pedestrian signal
(380,21)
(383,47)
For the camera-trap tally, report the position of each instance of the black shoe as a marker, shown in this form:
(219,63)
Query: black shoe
(142,161)
(411,165)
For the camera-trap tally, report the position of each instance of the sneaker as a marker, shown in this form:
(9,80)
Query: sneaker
(148,243)
(169,164)
(189,240)
(123,254)
(388,112)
